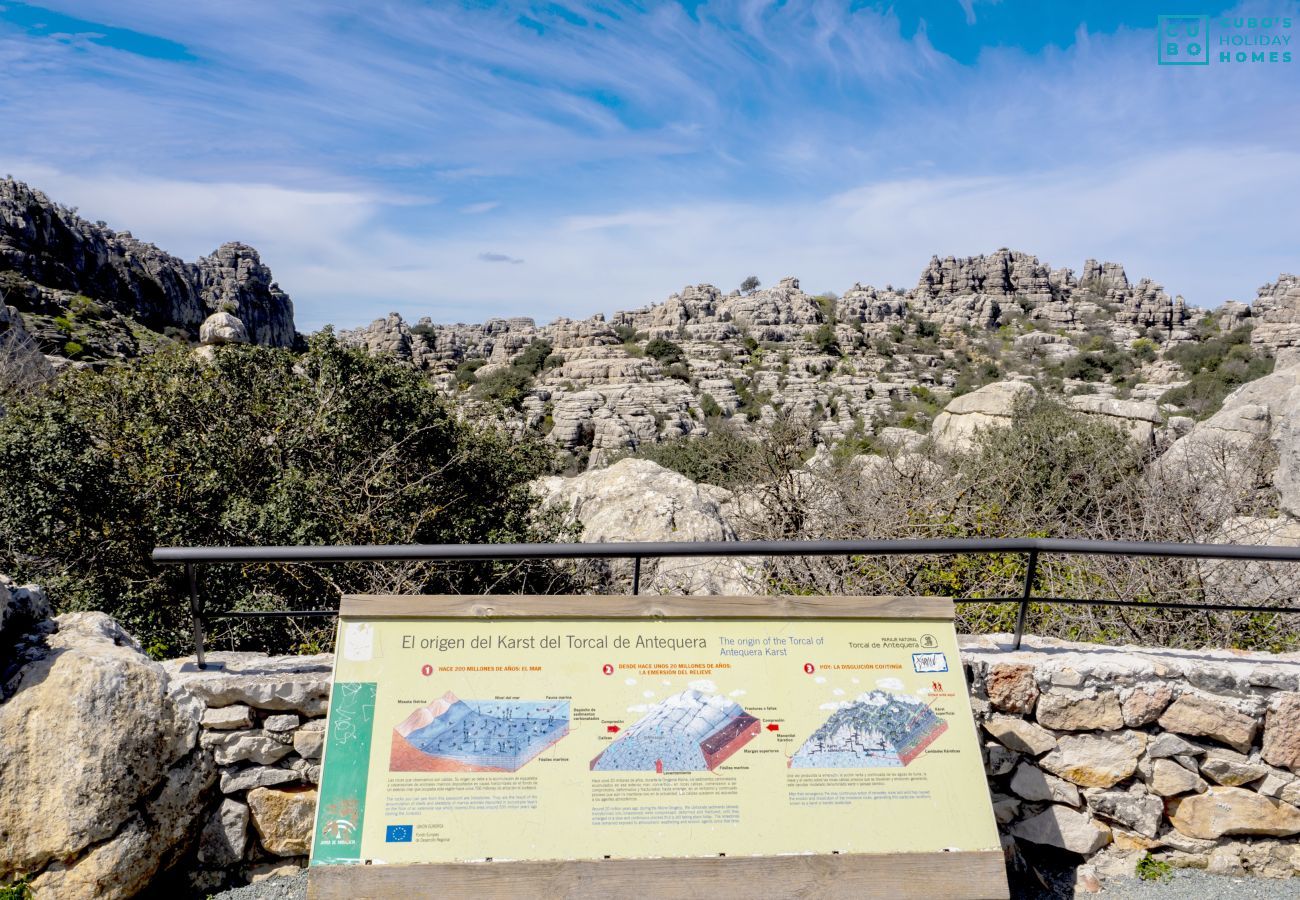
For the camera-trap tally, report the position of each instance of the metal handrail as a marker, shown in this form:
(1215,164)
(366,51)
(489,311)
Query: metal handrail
(192,557)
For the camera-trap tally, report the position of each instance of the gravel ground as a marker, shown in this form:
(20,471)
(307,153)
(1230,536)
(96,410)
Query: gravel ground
(293,887)
(1187,884)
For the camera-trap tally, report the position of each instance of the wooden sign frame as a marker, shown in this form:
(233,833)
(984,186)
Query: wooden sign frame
(965,875)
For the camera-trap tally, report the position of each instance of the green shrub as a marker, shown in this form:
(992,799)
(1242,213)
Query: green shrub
(261,447)
(73,349)
(664,351)
(825,341)
(1151,869)
(507,384)
(1215,367)
(534,357)
(20,889)
(710,407)
(749,285)
(465,372)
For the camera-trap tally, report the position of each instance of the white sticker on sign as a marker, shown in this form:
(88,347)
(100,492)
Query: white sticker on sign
(929,662)
(359,641)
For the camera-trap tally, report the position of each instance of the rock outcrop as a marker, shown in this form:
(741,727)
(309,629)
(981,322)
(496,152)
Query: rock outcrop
(79,282)
(638,500)
(101,778)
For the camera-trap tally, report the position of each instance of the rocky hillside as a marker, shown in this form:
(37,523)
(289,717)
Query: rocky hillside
(88,293)
(854,364)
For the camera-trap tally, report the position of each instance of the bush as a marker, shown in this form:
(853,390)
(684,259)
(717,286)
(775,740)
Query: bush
(534,357)
(465,372)
(665,352)
(508,385)
(749,285)
(1216,367)
(258,447)
(710,407)
(825,341)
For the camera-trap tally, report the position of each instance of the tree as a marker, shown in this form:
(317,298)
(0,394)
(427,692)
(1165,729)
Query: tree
(258,446)
(664,351)
(749,285)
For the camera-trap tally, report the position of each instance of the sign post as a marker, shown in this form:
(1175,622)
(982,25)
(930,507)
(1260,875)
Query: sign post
(672,746)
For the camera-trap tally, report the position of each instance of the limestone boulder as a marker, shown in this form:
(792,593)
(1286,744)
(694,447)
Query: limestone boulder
(297,683)
(222,328)
(1282,732)
(100,778)
(1230,810)
(20,608)
(1061,826)
(1138,419)
(1020,735)
(1096,760)
(638,500)
(1167,779)
(283,817)
(1033,784)
(1201,716)
(1072,710)
(992,406)
(1011,688)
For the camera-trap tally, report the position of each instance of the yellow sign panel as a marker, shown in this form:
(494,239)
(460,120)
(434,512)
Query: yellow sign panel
(548,739)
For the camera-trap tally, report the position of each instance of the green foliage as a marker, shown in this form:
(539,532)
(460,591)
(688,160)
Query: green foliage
(534,357)
(260,447)
(710,407)
(1215,368)
(749,285)
(465,371)
(626,333)
(1144,349)
(73,349)
(665,351)
(506,384)
(1101,359)
(21,889)
(826,303)
(1151,869)
(926,329)
(825,341)
(424,329)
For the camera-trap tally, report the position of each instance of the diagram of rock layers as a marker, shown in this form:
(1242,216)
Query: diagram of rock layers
(877,729)
(690,731)
(454,735)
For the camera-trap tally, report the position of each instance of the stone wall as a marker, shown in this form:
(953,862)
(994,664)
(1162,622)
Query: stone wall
(1117,753)
(118,773)
(264,725)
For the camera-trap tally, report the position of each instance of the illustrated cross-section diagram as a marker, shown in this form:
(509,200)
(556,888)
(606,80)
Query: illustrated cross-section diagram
(690,731)
(454,735)
(878,729)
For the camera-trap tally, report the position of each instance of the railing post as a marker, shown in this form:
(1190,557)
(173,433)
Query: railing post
(196,613)
(1024,598)
(636,575)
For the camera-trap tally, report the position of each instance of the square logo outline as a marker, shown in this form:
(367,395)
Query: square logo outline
(1160,40)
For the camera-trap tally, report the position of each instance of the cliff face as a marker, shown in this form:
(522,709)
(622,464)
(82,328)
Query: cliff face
(49,255)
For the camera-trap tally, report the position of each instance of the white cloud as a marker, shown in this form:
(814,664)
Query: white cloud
(474,209)
(738,692)
(704,686)
(630,681)
(820,680)
(838,692)
(648,694)
(889,684)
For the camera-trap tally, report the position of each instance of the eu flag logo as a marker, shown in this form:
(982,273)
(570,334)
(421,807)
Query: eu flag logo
(399,834)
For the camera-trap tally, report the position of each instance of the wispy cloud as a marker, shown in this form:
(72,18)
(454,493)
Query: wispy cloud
(499,258)
(640,150)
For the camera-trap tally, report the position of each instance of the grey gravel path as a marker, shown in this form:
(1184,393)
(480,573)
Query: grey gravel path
(294,887)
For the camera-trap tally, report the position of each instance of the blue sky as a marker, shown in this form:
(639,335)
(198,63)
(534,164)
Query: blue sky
(464,160)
